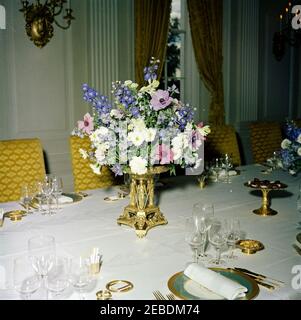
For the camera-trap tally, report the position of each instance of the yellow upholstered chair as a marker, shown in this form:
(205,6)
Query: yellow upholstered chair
(21,162)
(220,141)
(266,138)
(84,177)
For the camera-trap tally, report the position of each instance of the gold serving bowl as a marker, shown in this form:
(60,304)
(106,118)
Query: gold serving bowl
(249,246)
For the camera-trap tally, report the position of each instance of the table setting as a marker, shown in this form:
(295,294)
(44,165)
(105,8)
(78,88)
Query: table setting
(164,253)
(190,240)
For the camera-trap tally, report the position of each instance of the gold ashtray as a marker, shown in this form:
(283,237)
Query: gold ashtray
(249,246)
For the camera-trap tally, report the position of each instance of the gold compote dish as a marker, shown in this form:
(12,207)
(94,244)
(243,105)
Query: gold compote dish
(142,214)
(265,186)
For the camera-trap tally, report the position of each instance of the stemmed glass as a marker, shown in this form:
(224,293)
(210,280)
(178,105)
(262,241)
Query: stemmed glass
(41,251)
(216,168)
(194,237)
(233,235)
(227,165)
(218,238)
(58,277)
(39,195)
(57,189)
(26,280)
(26,196)
(47,188)
(203,213)
(80,276)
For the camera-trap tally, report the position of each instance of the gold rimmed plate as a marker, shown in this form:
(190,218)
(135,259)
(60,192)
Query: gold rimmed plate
(187,289)
(76,197)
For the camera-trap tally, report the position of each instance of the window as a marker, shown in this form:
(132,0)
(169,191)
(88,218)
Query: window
(180,67)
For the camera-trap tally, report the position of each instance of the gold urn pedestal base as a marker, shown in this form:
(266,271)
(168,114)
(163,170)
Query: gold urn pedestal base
(265,212)
(142,214)
(265,209)
(142,221)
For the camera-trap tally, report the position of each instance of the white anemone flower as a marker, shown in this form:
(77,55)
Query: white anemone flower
(285,144)
(138,165)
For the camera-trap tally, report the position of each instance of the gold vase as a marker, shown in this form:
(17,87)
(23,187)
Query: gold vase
(142,214)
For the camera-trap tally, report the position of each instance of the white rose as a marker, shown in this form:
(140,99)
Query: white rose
(299,151)
(285,144)
(95,168)
(151,134)
(102,131)
(138,165)
(83,153)
(299,138)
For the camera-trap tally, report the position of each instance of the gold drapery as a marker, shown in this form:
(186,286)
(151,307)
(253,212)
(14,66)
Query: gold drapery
(206,17)
(151,31)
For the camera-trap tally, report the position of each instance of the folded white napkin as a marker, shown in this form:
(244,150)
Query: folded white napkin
(215,282)
(64,199)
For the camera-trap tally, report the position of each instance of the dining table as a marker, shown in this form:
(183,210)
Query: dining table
(149,262)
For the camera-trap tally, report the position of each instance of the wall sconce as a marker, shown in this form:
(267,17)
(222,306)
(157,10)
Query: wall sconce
(40,18)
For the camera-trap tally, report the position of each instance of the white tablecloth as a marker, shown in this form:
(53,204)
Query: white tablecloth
(149,262)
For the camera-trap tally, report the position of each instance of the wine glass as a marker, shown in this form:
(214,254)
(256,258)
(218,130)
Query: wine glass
(218,238)
(227,165)
(42,254)
(39,195)
(80,276)
(216,168)
(26,196)
(58,277)
(233,235)
(203,213)
(26,280)
(57,189)
(194,237)
(47,189)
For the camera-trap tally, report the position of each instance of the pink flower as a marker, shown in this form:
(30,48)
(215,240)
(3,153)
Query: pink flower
(160,100)
(164,154)
(86,125)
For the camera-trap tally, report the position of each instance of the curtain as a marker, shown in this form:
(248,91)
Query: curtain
(206,18)
(151,31)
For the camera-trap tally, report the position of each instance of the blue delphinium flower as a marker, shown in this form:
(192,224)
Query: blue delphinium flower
(150,72)
(123,94)
(185,115)
(117,169)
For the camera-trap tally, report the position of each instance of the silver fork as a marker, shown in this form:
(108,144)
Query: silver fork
(170,296)
(158,295)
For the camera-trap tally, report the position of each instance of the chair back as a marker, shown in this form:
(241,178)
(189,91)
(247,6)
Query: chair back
(220,141)
(266,138)
(21,162)
(84,177)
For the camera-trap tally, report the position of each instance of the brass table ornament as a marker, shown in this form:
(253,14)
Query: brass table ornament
(15,215)
(265,186)
(142,214)
(119,286)
(249,246)
(103,295)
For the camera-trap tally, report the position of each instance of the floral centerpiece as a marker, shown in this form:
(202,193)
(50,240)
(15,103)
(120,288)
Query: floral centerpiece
(290,153)
(145,127)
